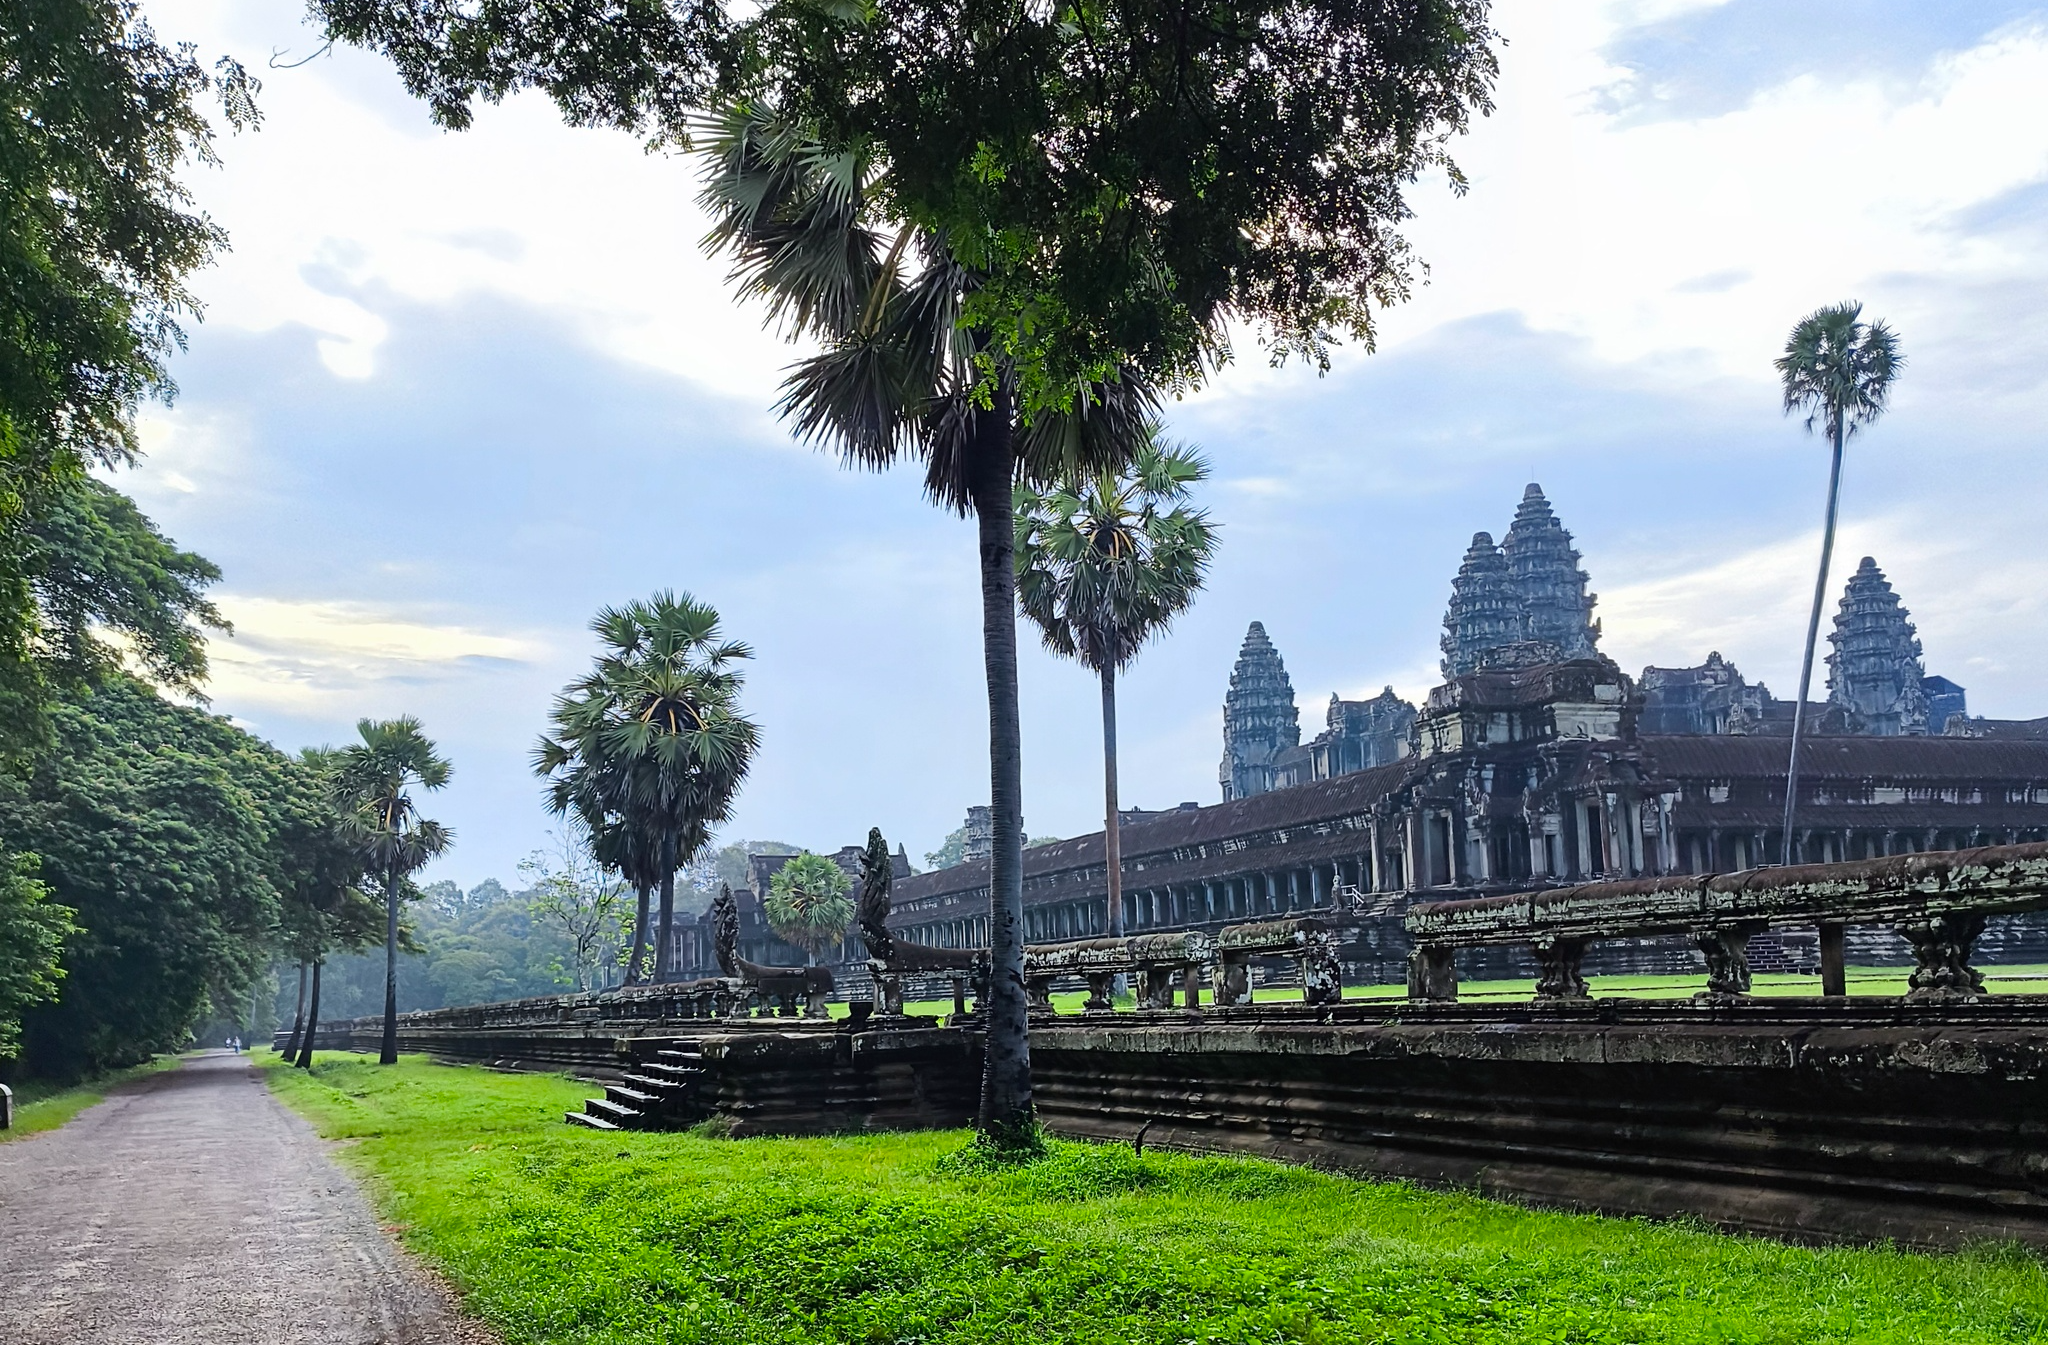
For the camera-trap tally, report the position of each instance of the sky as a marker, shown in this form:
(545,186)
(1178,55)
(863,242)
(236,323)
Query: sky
(454,392)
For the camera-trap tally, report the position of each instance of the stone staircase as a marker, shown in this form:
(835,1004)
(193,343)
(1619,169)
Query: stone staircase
(649,1098)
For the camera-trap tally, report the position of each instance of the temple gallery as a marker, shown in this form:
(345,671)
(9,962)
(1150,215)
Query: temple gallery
(1537,761)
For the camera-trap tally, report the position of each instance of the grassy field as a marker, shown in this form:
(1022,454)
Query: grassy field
(561,1235)
(40,1106)
(2004,980)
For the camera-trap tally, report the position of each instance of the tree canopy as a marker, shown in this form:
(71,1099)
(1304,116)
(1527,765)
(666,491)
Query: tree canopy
(807,904)
(174,836)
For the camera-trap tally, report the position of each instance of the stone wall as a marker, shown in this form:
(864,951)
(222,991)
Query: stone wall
(1799,1119)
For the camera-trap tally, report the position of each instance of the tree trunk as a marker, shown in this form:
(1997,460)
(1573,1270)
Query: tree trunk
(388,1053)
(1006,1119)
(1112,838)
(664,955)
(291,1045)
(636,966)
(305,1060)
(1820,592)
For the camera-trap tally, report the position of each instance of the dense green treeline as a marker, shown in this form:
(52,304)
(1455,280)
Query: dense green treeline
(172,836)
(462,948)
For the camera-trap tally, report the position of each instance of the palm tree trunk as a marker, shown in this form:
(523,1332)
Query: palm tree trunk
(636,967)
(664,957)
(388,1053)
(1112,837)
(305,1060)
(291,1045)
(1820,590)
(1006,1119)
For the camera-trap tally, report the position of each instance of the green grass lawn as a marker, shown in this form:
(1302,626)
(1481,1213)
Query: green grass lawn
(40,1105)
(2002,980)
(561,1235)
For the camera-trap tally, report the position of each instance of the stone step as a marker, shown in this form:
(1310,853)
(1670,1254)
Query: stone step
(618,1113)
(586,1120)
(628,1096)
(687,1055)
(658,1085)
(677,1072)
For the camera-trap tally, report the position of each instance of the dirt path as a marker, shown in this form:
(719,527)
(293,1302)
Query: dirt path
(191,1208)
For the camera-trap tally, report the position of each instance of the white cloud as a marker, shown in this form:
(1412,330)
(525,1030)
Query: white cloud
(325,658)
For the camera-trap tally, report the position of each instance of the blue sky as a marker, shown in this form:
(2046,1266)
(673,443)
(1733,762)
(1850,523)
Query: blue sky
(454,392)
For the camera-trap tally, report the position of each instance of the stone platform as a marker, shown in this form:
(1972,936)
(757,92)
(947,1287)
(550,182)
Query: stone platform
(1812,1120)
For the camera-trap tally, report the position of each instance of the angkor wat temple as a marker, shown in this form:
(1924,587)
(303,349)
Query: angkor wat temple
(1539,762)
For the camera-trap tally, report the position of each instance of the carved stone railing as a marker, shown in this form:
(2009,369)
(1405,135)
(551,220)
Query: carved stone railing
(1937,900)
(964,966)
(1166,965)
(1309,941)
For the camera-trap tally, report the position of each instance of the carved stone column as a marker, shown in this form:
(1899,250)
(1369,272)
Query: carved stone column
(1322,975)
(1229,982)
(1558,975)
(1101,986)
(1941,946)
(1431,973)
(1727,953)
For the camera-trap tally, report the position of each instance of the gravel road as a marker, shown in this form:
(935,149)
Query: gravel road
(191,1208)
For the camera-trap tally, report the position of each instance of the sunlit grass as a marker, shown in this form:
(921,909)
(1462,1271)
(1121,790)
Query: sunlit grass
(560,1235)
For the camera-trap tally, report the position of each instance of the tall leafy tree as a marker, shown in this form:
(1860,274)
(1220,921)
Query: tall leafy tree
(32,933)
(324,909)
(1104,563)
(652,739)
(807,905)
(1838,370)
(93,566)
(97,237)
(1003,226)
(170,833)
(572,893)
(373,780)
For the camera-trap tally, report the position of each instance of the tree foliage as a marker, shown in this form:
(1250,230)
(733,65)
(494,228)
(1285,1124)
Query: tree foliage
(1838,370)
(573,894)
(1007,227)
(372,781)
(97,233)
(807,904)
(651,742)
(32,933)
(1107,560)
(174,835)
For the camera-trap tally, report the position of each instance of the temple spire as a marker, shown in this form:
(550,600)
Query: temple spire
(1875,671)
(1483,615)
(1260,720)
(1543,569)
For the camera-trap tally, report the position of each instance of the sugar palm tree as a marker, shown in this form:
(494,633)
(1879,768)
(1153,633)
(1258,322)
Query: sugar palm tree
(1104,563)
(652,741)
(903,371)
(807,904)
(373,780)
(1839,371)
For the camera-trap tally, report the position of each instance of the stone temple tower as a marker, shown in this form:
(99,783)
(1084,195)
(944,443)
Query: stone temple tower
(1875,672)
(1544,572)
(1260,720)
(1484,614)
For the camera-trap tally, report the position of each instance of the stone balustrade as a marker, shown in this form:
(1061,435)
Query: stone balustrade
(1170,968)
(1166,965)
(1310,942)
(1938,901)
